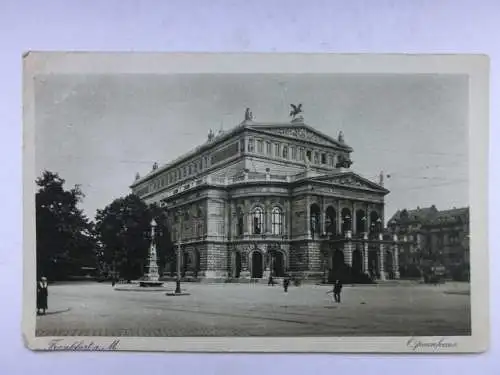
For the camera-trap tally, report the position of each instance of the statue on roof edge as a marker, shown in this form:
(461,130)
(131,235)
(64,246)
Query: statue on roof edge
(296,110)
(248,115)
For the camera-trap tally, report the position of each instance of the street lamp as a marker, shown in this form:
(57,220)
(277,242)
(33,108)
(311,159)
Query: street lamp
(179,251)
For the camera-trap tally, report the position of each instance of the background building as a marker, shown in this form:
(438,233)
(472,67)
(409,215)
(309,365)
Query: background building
(272,198)
(432,235)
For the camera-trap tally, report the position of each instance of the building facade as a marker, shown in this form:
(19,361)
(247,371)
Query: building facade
(272,198)
(431,234)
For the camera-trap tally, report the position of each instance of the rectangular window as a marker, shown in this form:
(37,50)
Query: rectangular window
(242,145)
(184,172)
(294,153)
(269,150)
(251,145)
(190,169)
(301,154)
(285,152)
(323,158)
(316,158)
(330,160)
(309,155)
(277,150)
(260,146)
(195,167)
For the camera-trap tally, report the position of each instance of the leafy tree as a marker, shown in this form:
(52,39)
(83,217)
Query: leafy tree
(123,229)
(65,240)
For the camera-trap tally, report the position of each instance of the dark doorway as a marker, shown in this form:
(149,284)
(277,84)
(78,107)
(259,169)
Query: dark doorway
(357,262)
(257,265)
(237,264)
(338,266)
(279,264)
(197,263)
(373,262)
(388,262)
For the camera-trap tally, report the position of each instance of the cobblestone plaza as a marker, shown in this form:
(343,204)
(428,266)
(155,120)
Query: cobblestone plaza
(91,309)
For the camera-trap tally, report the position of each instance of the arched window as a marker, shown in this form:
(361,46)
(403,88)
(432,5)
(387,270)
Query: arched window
(239,223)
(360,221)
(375,222)
(277,221)
(315,219)
(331,221)
(285,152)
(346,220)
(258,220)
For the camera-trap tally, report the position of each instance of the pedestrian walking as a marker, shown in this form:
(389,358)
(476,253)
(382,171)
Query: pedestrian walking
(271,281)
(337,290)
(42,294)
(286,283)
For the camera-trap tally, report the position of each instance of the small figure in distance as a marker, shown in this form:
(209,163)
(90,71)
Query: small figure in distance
(42,294)
(337,290)
(286,283)
(271,281)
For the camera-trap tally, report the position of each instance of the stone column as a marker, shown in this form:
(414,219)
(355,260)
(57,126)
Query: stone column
(348,249)
(244,258)
(267,217)
(246,219)
(267,264)
(308,217)
(233,263)
(395,257)
(366,268)
(381,265)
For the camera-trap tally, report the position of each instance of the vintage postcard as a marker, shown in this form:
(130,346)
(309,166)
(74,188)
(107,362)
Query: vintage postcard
(255,202)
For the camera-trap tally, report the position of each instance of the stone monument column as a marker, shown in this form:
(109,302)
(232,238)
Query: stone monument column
(381,258)
(366,268)
(395,258)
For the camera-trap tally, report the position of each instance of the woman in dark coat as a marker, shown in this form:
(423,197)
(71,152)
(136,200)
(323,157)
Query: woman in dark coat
(42,295)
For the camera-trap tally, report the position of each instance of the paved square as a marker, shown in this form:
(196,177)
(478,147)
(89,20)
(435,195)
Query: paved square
(91,309)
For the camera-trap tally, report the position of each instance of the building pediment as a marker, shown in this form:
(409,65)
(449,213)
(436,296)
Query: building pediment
(301,132)
(350,179)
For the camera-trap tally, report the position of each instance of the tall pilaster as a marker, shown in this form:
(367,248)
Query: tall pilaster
(246,219)
(395,257)
(308,216)
(381,258)
(348,249)
(366,268)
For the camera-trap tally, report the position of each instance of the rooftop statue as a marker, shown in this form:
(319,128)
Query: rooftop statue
(296,109)
(341,137)
(211,135)
(248,115)
(155,166)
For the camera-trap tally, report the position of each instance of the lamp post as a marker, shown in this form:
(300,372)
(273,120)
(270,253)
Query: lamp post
(179,251)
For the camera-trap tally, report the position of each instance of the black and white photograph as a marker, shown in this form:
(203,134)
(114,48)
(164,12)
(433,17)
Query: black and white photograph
(242,202)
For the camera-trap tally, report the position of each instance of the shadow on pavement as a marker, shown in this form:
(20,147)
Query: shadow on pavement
(57,311)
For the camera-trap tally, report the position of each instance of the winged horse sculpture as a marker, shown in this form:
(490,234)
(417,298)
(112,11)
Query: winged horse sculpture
(296,109)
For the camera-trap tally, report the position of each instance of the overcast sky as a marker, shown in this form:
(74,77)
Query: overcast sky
(98,131)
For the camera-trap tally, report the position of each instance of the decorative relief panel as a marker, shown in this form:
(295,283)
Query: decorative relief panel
(302,134)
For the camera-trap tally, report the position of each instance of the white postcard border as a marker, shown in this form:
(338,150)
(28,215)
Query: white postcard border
(475,66)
